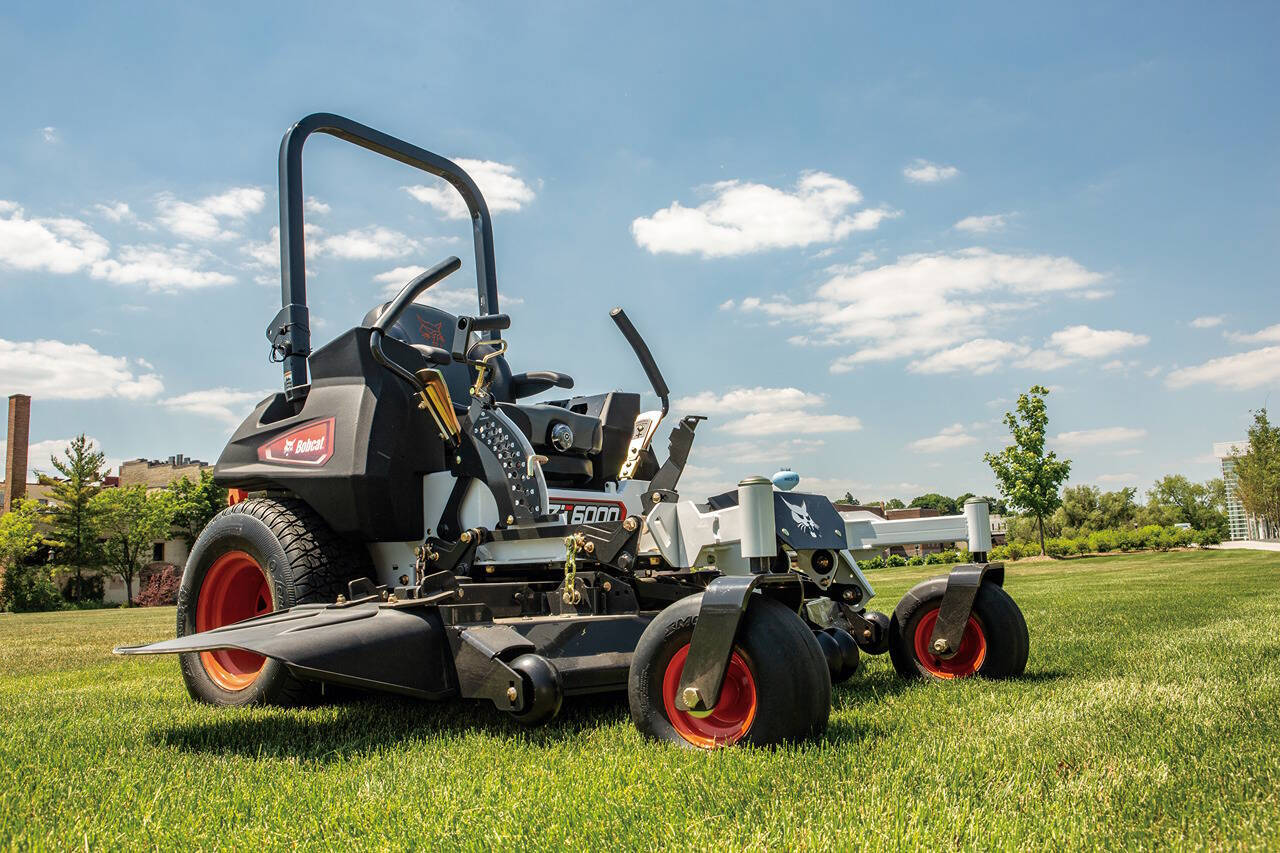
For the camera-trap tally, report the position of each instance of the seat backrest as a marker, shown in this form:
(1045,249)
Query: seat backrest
(423,324)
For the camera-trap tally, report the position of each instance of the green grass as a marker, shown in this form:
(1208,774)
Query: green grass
(1149,717)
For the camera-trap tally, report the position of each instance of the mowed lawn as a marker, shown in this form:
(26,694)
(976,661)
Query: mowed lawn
(1149,717)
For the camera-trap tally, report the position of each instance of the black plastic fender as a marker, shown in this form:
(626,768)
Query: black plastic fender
(957,603)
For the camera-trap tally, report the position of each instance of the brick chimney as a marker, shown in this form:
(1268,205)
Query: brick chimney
(15,452)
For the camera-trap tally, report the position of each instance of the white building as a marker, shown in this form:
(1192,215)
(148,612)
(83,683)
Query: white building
(1241,525)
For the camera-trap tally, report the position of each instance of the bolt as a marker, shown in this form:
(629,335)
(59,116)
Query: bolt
(628,524)
(342,599)
(607,586)
(940,646)
(433,556)
(465,537)
(488,570)
(848,595)
(657,498)
(391,599)
(462,593)
(457,459)
(512,694)
(590,547)
(511,519)
(866,634)
(692,696)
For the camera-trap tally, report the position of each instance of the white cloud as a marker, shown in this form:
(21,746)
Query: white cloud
(948,438)
(1102,435)
(1084,342)
(1044,359)
(920,304)
(773,452)
(204,220)
(226,405)
(364,244)
(1208,322)
(116,211)
(983,224)
(748,400)
(744,217)
(50,134)
(979,356)
(1269,335)
(790,422)
(502,188)
(924,172)
(159,268)
(54,370)
(1116,478)
(315,205)
(57,245)
(768,411)
(1238,372)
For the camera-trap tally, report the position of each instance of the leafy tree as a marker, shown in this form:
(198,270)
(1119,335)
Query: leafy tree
(1258,471)
(130,520)
(1202,505)
(1086,509)
(894,503)
(960,499)
(24,587)
(195,504)
(943,504)
(1029,476)
(75,536)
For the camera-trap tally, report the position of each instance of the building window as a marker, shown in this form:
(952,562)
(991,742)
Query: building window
(157,552)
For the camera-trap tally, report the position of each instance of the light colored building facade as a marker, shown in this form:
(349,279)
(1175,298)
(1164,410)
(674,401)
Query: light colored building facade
(1241,525)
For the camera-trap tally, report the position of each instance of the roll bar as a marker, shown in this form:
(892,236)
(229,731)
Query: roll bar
(290,332)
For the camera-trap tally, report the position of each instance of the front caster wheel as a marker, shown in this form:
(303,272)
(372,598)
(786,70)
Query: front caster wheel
(543,689)
(995,642)
(776,688)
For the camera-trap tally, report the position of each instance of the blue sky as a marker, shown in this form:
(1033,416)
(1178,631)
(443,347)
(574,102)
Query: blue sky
(852,233)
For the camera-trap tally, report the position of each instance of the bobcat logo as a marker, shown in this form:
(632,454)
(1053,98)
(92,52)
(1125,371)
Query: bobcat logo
(288,446)
(800,515)
(432,333)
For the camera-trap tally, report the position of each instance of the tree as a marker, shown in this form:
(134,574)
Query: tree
(1258,471)
(1030,477)
(1087,509)
(894,503)
(1202,505)
(943,504)
(195,504)
(23,587)
(130,520)
(75,537)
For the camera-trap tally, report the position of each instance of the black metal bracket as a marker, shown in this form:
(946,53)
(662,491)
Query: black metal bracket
(724,603)
(663,485)
(480,656)
(957,603)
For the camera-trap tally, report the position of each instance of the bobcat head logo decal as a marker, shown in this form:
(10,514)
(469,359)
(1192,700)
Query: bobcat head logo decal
(432,333)
(800,515)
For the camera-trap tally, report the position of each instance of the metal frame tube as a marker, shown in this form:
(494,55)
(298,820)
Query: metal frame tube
(292,321)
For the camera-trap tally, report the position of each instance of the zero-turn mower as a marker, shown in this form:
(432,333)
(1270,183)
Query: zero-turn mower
(401,521)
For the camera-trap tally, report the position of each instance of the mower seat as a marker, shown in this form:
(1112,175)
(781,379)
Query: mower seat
(601,424)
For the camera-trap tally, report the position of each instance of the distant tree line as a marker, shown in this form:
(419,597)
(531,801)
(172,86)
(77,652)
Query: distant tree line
(89,531)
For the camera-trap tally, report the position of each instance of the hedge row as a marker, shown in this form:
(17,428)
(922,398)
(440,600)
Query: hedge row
(1152,537)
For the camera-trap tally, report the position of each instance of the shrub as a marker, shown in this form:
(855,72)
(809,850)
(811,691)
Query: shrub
(895,561)
(876,562)
(29,589)
(915,561)
(934,559)
(83,589)
(159,589)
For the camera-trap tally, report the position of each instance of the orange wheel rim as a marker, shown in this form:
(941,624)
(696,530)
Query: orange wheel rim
(732,716)
(234,588)
(965,662)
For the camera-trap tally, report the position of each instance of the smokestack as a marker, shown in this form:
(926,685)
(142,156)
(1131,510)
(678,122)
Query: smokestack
(15,453)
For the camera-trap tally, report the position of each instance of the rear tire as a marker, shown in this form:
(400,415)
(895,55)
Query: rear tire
(260,555)
(995,642)
(777,688)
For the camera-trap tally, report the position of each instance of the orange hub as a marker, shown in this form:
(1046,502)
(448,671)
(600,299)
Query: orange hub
(968,658)
(234,588)
(728,720)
